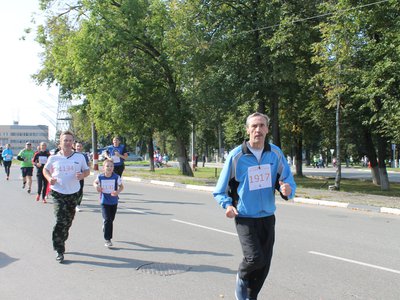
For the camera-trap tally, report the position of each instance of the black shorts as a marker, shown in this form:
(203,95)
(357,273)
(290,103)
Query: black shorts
(119,169)
(27,171)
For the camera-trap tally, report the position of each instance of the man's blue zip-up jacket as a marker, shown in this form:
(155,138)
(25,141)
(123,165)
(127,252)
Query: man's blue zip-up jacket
(237,184)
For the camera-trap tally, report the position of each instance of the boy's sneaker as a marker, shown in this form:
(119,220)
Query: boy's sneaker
(108,243)
(241,288)
(60,257)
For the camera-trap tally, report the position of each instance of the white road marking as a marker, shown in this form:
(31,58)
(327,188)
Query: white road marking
(205,227)
(355,262)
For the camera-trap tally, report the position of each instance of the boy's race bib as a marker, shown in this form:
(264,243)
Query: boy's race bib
(108,186)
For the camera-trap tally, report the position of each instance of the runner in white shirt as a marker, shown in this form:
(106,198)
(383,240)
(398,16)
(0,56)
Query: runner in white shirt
(63,171)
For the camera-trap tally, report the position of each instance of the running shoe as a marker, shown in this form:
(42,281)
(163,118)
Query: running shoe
(241,288)
(60,257)
(108,243)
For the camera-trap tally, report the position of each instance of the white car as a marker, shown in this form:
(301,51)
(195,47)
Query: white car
(133,157)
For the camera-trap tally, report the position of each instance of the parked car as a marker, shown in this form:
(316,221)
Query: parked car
(134,157)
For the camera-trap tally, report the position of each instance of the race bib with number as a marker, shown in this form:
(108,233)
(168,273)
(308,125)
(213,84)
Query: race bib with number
(108,186)
(116,159)
(43,160)
(259,177)
(64,168)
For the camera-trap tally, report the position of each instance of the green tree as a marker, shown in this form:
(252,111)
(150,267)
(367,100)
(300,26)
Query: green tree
(357,59)
(124,58)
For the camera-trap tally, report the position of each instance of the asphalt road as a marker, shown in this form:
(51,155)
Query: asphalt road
(173,243)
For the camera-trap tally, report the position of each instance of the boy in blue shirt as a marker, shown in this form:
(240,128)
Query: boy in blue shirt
(109,185)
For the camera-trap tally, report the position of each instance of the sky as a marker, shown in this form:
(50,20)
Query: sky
(21,99)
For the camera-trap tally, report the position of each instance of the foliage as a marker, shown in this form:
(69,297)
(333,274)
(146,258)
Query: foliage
(156,69)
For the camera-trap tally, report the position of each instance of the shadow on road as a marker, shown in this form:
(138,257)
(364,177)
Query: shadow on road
(5,260)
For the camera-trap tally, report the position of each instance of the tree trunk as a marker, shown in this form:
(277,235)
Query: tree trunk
(151,152)
(275,122)
(261,107)
(220,157)
(182,158)
(371,154)
(299,155)
(382,147)
(308,157)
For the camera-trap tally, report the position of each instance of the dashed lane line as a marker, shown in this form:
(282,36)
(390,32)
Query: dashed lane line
(355,262)
(205,227)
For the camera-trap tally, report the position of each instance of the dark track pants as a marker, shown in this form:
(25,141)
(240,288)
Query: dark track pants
(119,169)
(7,166)
(257,237)
(108,212)
(42,184)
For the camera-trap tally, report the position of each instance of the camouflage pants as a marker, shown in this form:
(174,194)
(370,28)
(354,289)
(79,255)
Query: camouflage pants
(64,211)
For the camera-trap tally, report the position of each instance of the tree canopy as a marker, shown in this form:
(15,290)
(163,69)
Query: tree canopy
(156,68)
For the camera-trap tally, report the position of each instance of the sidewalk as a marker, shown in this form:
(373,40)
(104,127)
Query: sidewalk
(364,202)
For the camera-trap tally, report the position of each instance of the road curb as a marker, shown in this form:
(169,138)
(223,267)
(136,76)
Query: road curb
(387,210)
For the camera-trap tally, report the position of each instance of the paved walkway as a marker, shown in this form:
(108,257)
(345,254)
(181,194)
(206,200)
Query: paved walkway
(365,202)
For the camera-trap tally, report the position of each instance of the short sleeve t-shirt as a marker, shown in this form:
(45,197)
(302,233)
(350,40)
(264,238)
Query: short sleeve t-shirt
(27,156)
(64,169)
(121,149)
(108,185)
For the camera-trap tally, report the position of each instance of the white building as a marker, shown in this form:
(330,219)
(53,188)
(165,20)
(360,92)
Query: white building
(17,135)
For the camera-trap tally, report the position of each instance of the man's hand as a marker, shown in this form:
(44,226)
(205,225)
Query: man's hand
(285,188)
(231,211)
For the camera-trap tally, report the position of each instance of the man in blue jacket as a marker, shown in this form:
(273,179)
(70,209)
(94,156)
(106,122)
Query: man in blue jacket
(246,190)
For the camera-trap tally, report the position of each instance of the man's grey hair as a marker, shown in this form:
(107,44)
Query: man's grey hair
(257,114)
